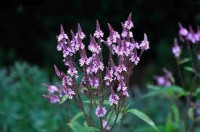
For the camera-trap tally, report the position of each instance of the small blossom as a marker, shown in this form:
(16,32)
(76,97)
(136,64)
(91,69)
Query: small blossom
(191,37)
(125,93)
(166,79)
(100,111)
(94,82)
(105,124)
(121,86)
(121,68)
(113,36)
(72,71)
(68,93)
(62,34)
(182,31)
(94,47)
(80,34)
(114,99)
(66,81)
(134,58)
(145,43)
(98,33)
(129,24)
(176,50)
(108,77)
(160,80)
(52,98)
(52,89)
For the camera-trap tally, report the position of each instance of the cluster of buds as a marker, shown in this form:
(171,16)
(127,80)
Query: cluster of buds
(166,80)
(98,78)
(189,35)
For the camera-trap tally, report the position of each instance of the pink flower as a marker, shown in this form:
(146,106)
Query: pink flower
(176,50)
(182,31)
(94,47)
(98,33)
(68,93)
(114,99)
(100,111)
(129,24)
(144,45)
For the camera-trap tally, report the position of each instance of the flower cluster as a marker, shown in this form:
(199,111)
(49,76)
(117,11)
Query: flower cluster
(112,78)
(190,35)
(176,50)
(165,80)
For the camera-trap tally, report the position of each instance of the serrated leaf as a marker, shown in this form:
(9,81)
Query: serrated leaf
(190,69)
(144,117)
(184,61)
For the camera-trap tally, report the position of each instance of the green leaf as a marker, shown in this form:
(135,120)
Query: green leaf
(176,114)
(144,117)
(184,61)
(169,123)
(190,69)
(76,117)
(76,127)
(197,92)
(63,99)
(168,91)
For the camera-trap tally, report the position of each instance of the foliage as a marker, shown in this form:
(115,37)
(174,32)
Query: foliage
(22,106)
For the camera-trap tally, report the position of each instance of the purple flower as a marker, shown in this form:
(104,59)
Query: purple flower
(52,89)
(134,58)
(191,37)
(176,50)
(94,47)
(113,36)
(80,34)
(108,77)
(94,82)
(121,68)
(68,92)
(128,24)
(100,111)
(182,31)
(94,64)
(160,80)
(114,99)
(62,34)
(72,71)
(121,86)
(165,80)
(52,98)
(98,33)
(66,81)
(105,126)
(145,43)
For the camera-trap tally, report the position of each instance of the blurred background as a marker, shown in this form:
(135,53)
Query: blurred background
(28,30)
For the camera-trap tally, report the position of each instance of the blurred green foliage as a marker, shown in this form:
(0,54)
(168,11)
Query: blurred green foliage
(22,107)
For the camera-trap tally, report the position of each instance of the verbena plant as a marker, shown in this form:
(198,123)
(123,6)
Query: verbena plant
(95,86)
(182,88)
